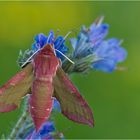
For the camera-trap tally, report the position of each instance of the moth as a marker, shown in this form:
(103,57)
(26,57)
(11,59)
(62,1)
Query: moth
(45,79)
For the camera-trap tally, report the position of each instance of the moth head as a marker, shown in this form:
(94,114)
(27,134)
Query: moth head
(47,50)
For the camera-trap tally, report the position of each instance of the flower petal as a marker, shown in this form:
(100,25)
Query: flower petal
(106,65)
(97,33)
(73,42)
(41,39)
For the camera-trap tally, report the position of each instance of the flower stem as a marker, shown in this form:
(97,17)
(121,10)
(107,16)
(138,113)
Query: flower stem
(22,123)
(18,125)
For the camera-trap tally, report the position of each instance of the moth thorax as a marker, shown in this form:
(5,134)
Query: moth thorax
(44,78)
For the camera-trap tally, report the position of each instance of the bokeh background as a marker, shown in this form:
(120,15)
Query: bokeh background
(115,97)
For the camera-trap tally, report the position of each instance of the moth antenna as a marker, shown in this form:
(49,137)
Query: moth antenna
(65,56)
(28,60)
(67,35)
(64,38)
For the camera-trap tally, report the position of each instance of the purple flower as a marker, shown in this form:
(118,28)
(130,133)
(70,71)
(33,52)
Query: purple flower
(91,45)
(96,32)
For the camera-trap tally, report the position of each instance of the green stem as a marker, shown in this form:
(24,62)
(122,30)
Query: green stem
(24,120)
(18,125)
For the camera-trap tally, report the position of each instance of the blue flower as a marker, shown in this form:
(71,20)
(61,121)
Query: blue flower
(104,54)
(46,129)
(45,132)
(81,47)
(59,43)
(110,53)
(41,40)
(96,32)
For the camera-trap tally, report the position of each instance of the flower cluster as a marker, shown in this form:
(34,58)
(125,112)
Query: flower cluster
(104,54)
(58,42)
(91,51)
(40,41)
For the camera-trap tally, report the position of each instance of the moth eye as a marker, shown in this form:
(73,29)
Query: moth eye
(32,107)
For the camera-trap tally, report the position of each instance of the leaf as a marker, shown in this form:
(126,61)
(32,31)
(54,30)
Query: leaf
(73,105)
(12,92)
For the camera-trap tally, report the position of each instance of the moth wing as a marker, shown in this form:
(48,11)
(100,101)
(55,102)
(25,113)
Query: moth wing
(73,105)
(12,92)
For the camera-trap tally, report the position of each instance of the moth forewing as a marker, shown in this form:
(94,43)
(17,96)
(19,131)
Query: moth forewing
(73,105)
(15,89)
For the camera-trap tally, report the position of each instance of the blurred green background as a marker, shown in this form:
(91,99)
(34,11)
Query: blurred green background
(114,98)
